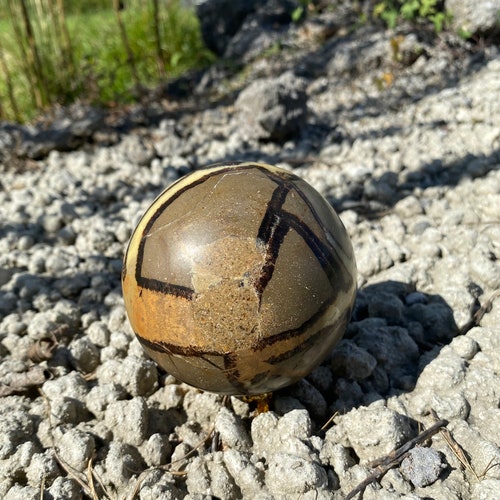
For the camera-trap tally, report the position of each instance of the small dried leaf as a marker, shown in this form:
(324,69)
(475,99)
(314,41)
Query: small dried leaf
(21,382)
(42,349)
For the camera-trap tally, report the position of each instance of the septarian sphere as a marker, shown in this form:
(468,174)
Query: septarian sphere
(239,279)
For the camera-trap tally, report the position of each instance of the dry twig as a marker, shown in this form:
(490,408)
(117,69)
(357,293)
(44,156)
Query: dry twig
(90,480)
(166,467)
(458,451)
(75,474)
(478,315)
(460,454)
(384,464)
(329,421)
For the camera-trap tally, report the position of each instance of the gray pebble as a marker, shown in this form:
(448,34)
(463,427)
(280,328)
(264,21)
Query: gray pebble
(436,318)
(445,374)
(272,108)
(222,484)
(25,242)
(51,223)
(169,396)
(111,353)
(121,463)
(76,448)
(295,424)
(137,150)
(395,482)
(198,479)
(18,492)
(292,475)
(43,467)
(66,235)
(28,285)
(156,450)
(487,338)
(289,434)
(118,316)
(60,261)
(422,466)
(408,207)
(393,348)
(44,301)
(451,405)
(123,232)
(386,305)
(202,406)
(120,341)
(310,397)
(373,257)
(179,455)
(188,432)
(84,355)
(128,419)
(465,346)
(376,430)
(8,303)
(420,227)
(72,385)
(139,376)
(160,485)
(45,324)
(72,286)
(322,378)
(351,361)
(247,476)
(98,333)
(67,410)
(231,430)
(88,318)
(15,427)
(415,298)
(348,393)
(284,404)
(5,274)
(64,488)
(336,455)
(474,18)
(263,431)
(485,489)
(383,189)
(13,324)
(100,396)
(17,463)
(484,266)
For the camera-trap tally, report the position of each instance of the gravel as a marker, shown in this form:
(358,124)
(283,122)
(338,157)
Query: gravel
(402,135)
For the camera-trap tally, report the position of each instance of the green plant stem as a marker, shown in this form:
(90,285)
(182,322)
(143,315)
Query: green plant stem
(66,45)
(10,87)
(126,45)
(19,38)
(41,92)
(160,57)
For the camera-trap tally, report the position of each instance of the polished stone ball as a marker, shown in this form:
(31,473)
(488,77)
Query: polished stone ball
(239,279)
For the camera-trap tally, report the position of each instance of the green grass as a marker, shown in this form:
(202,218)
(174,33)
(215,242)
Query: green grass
(100,71)
(393,11)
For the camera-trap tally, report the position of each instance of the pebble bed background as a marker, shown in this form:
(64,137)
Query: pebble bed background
(407,149)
